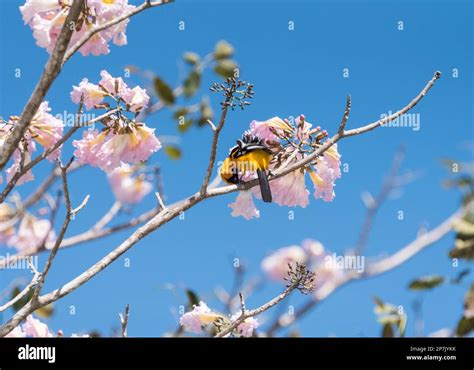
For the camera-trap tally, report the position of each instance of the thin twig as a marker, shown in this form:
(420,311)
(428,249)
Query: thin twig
(246,314)
(124,320)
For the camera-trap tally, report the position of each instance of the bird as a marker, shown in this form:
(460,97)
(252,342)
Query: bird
(250,154)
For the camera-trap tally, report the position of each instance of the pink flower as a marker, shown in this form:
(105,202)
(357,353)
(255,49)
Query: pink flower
(16,333)
(46,129)
(46,18)
(276,264)
(91,93)
(35,328)
(131,143)
(247,327)
(327,171)
(31,234)
(265,129)
(199,317)
(114,85)
(126,188)
(290,190)
(15,167)
(244,206)
(136,99)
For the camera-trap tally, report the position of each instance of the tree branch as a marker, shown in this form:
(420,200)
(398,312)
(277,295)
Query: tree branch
(51,71)
(170,213)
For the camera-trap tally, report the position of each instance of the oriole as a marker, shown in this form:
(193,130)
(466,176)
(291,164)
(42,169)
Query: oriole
(250,154)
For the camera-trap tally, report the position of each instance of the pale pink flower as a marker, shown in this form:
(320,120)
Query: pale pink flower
(46,18)
(247,327)
(126,187)
(276,264)
(15,167)
(31,234)
(46,129)
(200,316)
(88,148)
(290,190)
(136,98)
(265,129)
(16,333)
(35,328)
(132,144)
(327,171)
(244,206)
(92,94)
(114,85)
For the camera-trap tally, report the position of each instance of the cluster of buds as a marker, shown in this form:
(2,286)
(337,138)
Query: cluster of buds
(300,277)
(235,91)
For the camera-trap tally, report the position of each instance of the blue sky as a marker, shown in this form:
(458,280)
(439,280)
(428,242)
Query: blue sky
(294,72)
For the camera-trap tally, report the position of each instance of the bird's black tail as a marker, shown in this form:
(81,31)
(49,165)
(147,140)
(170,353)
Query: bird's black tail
(264,186)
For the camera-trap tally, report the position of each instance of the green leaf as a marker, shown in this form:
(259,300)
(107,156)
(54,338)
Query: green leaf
(173,152)
(45,311)
(223,50)
(465,326)
(225,68)
(426,282)
(181,112)
(192,83)
(191,58)
(164,91)
(183,127)
(193,299)
(206,113)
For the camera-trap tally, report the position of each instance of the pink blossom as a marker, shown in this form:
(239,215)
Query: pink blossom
(88,148)
(114,85)
(127,188)
(92,94)
(265,129)
(46,18)
(35,328)
(46,129)
(199,317)
(290,190)
(15,167)
(276,264)
(244,206)
(247,327)
(16,333)
(136,98)
(327,171)
(31,234)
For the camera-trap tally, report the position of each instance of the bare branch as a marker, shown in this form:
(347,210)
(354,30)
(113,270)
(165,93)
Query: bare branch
(373,269)
(345,117)
(124,320)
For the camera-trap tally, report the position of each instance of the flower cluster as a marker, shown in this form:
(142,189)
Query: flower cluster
(34,328)
(201,316)
(47,17)
(291,142)
(311,253)
(44,129)
(25,234)
(122,140)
